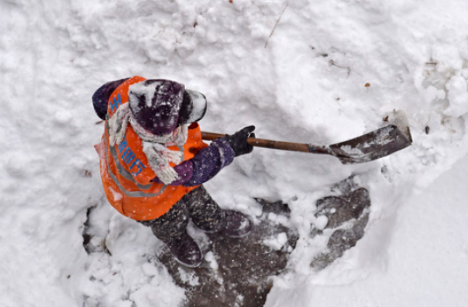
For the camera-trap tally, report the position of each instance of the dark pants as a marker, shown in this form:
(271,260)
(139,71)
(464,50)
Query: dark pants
(196,205)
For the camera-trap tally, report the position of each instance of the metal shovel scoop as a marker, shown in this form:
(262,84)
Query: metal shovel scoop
(368,147)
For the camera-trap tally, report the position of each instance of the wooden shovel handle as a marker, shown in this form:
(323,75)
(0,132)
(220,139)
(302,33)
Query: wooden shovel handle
(209,136)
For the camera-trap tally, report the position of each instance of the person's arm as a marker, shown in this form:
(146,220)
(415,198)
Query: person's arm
(211,160)
(101,97)
(204,165)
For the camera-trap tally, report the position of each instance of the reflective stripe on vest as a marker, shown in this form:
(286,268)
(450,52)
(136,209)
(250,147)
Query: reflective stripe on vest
(122,171)
(116,181)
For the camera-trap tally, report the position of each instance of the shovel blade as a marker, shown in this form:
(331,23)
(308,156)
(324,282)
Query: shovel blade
(373,145)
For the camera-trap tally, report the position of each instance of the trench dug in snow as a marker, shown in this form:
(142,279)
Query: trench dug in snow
(238,271)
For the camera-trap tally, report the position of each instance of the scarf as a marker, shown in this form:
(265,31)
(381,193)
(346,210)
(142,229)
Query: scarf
(155,147)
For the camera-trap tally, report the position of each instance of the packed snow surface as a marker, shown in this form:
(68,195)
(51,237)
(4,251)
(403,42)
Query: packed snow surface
(317,72)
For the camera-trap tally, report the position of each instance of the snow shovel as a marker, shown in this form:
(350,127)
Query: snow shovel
(368,147)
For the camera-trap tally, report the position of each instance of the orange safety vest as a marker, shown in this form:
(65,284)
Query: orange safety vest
(125,171)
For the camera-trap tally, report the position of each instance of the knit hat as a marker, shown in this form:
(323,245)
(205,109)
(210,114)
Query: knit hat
(160,106)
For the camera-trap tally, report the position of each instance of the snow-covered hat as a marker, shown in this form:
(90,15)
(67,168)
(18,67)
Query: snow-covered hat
(160,106)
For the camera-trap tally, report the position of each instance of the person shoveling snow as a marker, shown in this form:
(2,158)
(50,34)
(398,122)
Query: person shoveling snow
(154,162)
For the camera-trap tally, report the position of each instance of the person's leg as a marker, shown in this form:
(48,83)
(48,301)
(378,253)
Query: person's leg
(204,211)
(171,228)
(171,225)
(209,217)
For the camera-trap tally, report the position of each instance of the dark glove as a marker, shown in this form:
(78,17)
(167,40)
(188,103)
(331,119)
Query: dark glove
(238,141)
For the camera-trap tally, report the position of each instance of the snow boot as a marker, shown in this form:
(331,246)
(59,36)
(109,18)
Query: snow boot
(186,251)
(237,225)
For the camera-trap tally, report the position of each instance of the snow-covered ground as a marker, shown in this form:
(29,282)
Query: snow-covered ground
(425,264)
(305,71)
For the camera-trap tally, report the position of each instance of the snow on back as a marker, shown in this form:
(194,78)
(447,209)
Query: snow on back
(141,89)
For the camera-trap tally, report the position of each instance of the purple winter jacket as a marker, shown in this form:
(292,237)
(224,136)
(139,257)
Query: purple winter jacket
(201,168)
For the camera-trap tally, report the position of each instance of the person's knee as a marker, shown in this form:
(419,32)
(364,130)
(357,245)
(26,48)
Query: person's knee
(173,224)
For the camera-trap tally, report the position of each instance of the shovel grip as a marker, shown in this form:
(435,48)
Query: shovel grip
(300,147)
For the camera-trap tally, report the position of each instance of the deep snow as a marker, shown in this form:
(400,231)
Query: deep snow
(305,71)
(425,263)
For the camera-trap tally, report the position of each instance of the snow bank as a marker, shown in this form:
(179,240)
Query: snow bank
(311,72)
(424,265)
